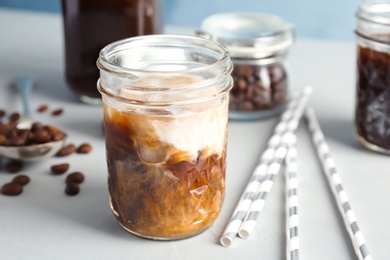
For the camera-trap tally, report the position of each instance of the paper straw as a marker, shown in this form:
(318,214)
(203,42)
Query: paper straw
(292,219)
(339,193)
(249,223)
(288,123)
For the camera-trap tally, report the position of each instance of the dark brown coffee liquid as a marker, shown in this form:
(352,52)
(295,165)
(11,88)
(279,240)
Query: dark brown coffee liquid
(373,94)
(155,189)
(90,25)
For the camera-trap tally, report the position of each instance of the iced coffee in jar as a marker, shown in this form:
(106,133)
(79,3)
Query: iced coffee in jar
(165,104)
(372,113)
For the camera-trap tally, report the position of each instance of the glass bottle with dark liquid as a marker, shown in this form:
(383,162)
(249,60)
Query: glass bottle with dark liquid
(89,25)
(372,114)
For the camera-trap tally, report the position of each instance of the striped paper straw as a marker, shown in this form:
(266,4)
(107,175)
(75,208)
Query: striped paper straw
(249,223)
(288,122)
(339,193)
(292,219)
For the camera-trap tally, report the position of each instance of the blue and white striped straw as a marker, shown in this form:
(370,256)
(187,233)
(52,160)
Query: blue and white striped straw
(339,193)
(292,219)
(288,123)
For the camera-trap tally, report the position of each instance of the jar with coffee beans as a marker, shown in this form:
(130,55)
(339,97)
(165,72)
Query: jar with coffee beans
(258,44)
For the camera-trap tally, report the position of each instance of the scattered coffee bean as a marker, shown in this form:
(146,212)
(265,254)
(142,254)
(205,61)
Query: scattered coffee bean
(12,189)
(2,113)
(14,117)
(43,108)
(84,148)
(66,150)
(21,179)
(57,112)
(14,166)
(72,189)
(76,177)
(59,168)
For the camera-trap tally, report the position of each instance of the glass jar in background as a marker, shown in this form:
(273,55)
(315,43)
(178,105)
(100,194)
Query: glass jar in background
(165,102)
(89,25)
(372,111)
(258,45)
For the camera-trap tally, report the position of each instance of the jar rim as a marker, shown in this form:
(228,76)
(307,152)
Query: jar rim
(375,11)
(138,41)
(145,67)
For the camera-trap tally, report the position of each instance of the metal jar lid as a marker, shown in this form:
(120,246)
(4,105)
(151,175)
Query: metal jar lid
(375,11)
(249,35)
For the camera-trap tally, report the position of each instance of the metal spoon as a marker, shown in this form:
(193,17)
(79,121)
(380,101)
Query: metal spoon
(34,152)
(25,86)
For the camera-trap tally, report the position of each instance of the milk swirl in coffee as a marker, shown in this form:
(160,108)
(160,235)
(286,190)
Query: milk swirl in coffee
(166,169)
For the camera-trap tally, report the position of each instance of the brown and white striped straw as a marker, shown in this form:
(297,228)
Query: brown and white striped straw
(288,123)
(292,219)
(339,193)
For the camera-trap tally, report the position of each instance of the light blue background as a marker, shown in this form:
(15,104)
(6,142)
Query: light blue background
(322,19)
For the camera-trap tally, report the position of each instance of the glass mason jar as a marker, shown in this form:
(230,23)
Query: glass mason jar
(89,25)
(372,111)
(258,45)
(165,102)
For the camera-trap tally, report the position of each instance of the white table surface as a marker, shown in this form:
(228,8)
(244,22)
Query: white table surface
(43,223)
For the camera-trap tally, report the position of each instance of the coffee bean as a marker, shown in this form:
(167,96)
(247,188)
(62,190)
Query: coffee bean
(242,85)
(15,141)
(56,134)
(249,93)
(244,71)
(72,189)
(260,102)
(59,168)
(76,177)
(84,148)
(246,106)
(35,126)
(57,112)
(21,179)
(3,139)
(12,189)
(14,117)
(258,84)
(52,129)
(5,129)
(14,166)
(255,87)
(41,136)
(66,150)
(43,108)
